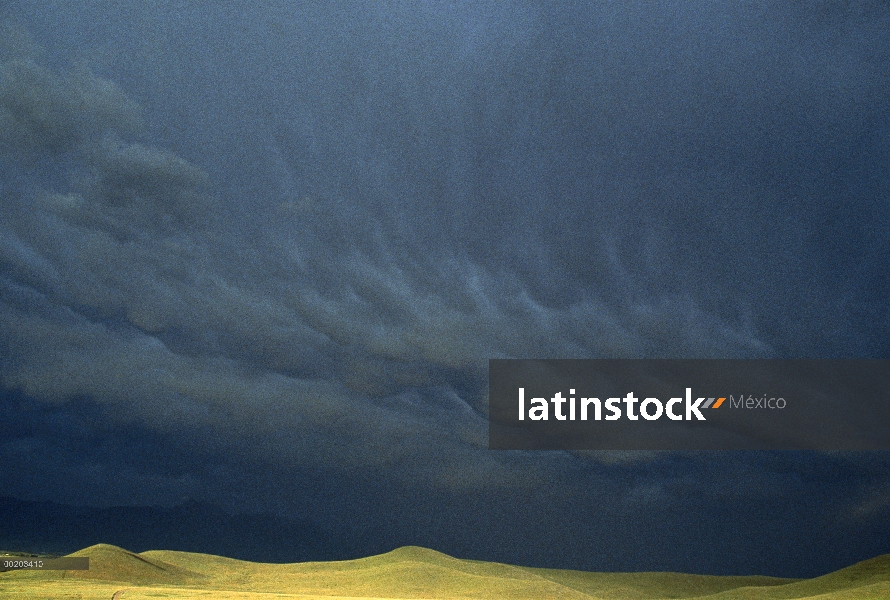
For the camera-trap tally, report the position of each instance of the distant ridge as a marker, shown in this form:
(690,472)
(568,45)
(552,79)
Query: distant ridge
(47,527)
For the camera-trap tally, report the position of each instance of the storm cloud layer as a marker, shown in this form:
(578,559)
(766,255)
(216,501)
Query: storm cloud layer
(284,239)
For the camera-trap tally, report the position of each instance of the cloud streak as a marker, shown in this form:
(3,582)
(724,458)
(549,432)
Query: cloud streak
(149,307)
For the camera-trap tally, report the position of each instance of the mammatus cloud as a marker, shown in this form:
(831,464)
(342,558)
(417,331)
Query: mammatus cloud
(120,281)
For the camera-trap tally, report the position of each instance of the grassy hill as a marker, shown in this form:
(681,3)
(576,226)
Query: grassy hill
(408,572)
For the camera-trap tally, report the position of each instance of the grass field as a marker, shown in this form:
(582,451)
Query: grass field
(408,572)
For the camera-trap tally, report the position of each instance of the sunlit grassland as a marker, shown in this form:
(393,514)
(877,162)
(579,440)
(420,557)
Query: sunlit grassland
(408,572)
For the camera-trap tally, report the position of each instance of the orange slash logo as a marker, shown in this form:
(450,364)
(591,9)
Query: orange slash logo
(715,404)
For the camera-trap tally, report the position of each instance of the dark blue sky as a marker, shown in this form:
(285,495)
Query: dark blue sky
(258,254)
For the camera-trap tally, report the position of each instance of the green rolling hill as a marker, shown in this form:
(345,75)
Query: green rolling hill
(408,572)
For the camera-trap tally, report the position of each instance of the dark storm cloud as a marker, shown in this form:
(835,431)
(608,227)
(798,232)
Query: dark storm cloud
(165,316)
(297,233)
